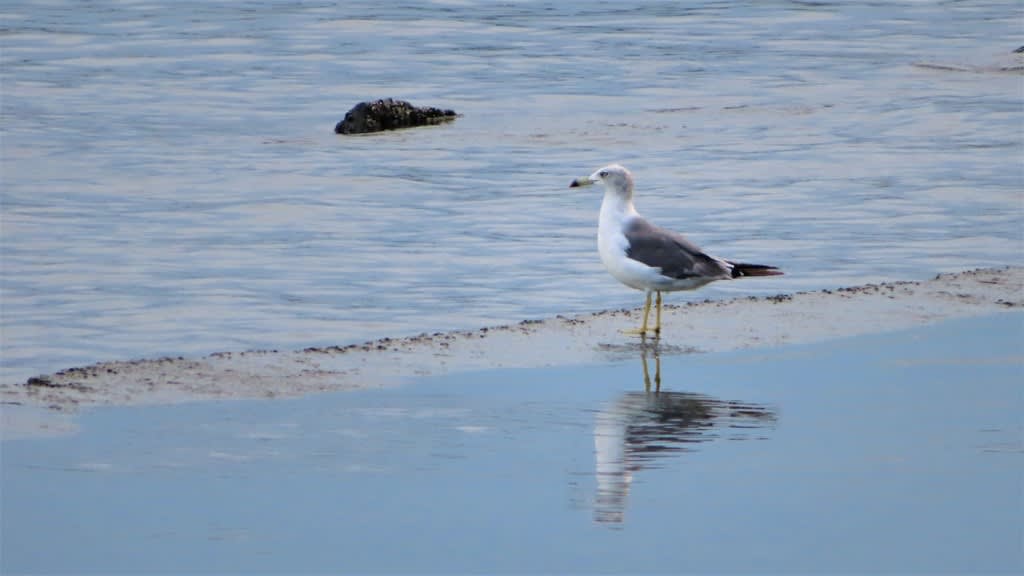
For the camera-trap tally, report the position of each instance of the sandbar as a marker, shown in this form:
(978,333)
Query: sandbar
(698,326)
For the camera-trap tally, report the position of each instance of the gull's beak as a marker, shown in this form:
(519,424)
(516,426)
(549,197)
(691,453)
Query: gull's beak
(584,181)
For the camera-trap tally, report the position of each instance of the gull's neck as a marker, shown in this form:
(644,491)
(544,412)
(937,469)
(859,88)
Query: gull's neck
(616,208)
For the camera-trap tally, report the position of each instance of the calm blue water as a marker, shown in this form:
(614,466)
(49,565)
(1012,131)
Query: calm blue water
(171,183)
(894,454)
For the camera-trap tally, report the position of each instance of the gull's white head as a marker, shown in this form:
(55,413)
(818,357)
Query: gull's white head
(614,177)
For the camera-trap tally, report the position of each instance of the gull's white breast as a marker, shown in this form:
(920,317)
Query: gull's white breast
(612,246)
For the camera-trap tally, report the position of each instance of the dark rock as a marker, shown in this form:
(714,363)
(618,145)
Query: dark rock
(40,381)
(389,114)
(1019,50)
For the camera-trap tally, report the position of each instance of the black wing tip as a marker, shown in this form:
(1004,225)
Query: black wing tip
(742,270)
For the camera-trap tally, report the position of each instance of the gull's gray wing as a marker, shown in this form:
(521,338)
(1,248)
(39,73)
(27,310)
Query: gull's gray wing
(673,253)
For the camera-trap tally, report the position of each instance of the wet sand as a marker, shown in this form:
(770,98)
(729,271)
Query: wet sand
(699,326)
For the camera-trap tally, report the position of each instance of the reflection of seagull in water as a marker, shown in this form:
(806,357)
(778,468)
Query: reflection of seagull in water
(646,257)
(641,427)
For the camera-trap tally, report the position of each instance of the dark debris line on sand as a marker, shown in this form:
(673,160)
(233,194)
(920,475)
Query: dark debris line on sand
(707,325)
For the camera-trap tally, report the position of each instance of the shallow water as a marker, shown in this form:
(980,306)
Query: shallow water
(172,185)
(895,453)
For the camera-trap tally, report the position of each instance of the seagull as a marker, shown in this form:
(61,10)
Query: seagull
(646,257)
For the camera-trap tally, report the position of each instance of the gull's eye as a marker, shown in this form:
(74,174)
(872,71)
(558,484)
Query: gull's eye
(602,173)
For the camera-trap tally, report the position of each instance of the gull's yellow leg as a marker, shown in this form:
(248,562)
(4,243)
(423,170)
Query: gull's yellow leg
(657,317)
(647,312)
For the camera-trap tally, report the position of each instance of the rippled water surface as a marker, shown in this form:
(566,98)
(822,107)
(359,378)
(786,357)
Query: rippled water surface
(171,183)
